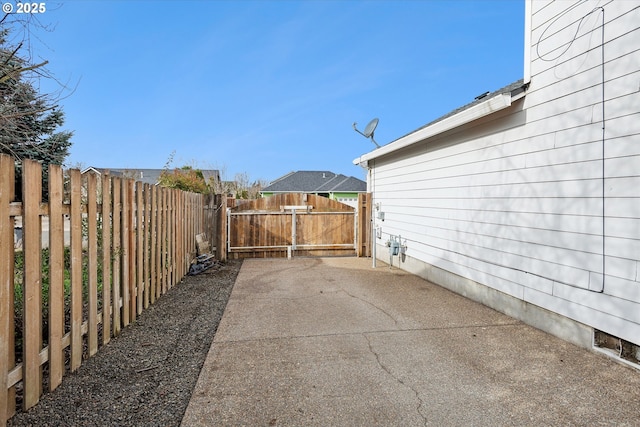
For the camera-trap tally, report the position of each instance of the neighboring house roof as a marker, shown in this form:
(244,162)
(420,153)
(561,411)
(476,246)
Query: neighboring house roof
(481,106)
(148,176)
(316,182)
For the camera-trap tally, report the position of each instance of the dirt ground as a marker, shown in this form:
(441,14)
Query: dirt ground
(146,375)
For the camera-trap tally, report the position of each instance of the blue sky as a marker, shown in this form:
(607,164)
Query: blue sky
(267,87)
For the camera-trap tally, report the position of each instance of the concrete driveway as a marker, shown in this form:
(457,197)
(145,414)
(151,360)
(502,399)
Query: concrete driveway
(333,342)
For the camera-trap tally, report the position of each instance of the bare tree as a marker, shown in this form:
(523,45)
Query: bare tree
(241,187)
(29,120)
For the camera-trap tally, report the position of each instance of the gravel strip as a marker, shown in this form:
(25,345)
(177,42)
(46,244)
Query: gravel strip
(145,376)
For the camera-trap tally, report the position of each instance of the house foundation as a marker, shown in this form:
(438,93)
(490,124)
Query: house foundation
(560,326)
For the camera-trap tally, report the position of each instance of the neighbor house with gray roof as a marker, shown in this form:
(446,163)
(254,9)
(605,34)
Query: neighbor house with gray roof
(342,188)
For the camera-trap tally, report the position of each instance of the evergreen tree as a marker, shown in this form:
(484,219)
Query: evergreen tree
(29,121)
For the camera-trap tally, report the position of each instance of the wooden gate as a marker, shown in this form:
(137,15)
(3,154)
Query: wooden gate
(292,224)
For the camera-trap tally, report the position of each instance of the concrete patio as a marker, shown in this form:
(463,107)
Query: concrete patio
(334,342)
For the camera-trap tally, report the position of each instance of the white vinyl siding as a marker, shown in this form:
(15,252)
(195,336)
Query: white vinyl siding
(514,200)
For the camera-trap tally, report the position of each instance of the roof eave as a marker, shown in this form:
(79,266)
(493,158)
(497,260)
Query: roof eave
(490,106)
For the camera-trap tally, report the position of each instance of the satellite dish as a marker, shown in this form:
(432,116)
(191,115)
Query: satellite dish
(368,130)
(371,127)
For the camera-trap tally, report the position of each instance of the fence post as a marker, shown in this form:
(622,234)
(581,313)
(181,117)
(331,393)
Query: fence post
(364,224)
(56,277)
(6,284)
(140,233)
(32,285)
(126,250)
(181,253)
(106,258)
(76,269)
(155,253)
(221,232)
(162,241)
(92,262)
(170,238)
(117,258)
(131,256)
(146,243)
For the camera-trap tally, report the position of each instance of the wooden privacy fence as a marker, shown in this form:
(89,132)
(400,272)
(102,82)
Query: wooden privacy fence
(129,243)
(296,223)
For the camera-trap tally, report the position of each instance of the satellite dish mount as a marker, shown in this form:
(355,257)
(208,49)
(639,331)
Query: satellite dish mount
(368,130)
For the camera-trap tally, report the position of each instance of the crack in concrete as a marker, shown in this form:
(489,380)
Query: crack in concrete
(379,331)
(399,380)
(395,321)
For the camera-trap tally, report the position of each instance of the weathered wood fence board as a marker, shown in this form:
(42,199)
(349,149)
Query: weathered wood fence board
(76,267)
(92,261)
(56,276)
(116,248)
(106,257)
(129,244)
(293,223)
(6,285)
(364,225)
(31,289)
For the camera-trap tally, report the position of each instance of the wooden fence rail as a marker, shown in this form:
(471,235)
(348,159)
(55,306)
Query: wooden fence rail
(297,224)
(128,243)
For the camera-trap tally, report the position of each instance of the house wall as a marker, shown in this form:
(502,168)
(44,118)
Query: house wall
(511,209)
(350,199)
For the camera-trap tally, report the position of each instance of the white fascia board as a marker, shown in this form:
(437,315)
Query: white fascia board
(497,103)
(91,168)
